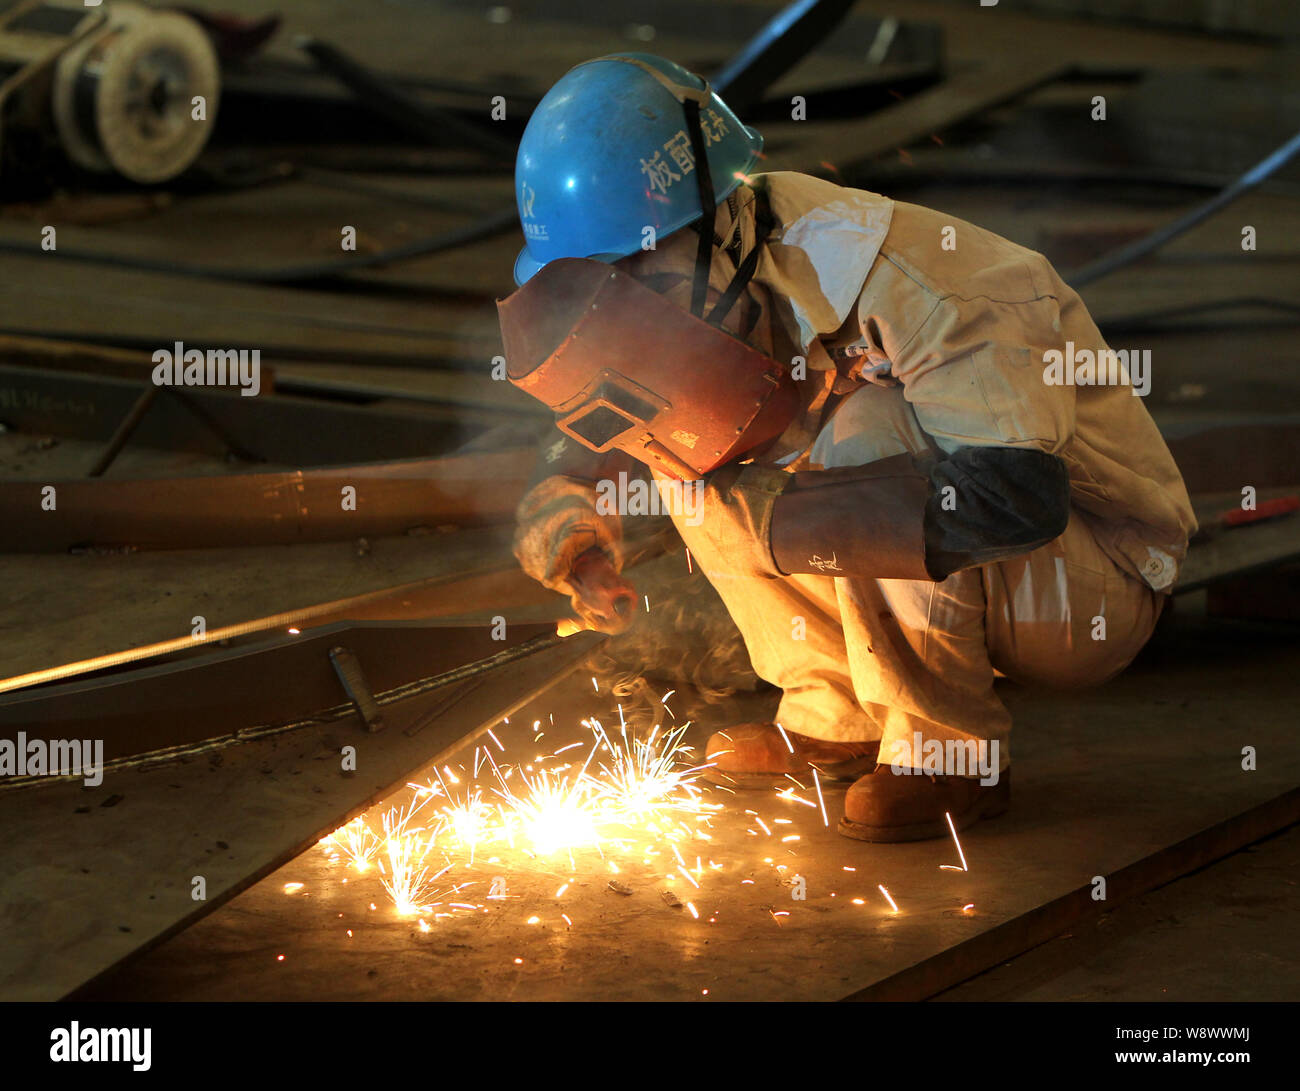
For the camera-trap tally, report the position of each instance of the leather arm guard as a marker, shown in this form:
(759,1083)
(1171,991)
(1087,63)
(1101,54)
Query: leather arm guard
(861,520)
(912,519)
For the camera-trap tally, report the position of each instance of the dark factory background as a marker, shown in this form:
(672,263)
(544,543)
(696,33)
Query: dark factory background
(182,584)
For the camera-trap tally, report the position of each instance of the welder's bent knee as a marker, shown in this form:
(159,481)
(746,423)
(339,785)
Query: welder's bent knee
(1066,615)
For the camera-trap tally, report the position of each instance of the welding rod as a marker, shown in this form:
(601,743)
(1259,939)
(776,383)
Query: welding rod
(473,670)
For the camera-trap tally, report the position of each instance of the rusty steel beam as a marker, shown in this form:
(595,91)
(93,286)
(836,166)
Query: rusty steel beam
(472,577)
(265,508)
(277,428)
(264,687)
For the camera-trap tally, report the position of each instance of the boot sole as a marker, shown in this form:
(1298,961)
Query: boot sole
(995,804)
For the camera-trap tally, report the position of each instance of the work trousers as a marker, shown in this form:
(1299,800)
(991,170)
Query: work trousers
(862,659)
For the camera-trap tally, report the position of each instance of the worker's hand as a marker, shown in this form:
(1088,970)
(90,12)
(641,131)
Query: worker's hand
(737,505)
(602,599)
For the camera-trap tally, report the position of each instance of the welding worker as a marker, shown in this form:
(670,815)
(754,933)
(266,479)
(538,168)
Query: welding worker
(899,496)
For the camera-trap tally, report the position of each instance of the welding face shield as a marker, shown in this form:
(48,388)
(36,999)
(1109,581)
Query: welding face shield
(622,367)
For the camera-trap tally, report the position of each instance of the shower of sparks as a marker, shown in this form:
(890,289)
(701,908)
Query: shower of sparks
(469,821)
(553,814)
(357,841)
(788,795)
(956,841)
(625,801)
(786,738)
(641,777)
(407,880)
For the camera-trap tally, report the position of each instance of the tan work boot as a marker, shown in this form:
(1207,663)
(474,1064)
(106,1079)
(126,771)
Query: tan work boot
(756,756)
(887,806)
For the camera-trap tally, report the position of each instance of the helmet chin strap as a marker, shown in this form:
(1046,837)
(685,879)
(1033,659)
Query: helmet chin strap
(693,100)
(763,224)
(708,206)
(705,225)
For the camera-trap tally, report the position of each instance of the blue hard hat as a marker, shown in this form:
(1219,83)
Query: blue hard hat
(607,154)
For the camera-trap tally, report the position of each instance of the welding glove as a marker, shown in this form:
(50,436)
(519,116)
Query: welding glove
(564,543)
(904,517)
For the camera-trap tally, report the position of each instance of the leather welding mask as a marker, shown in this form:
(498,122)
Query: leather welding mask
(621,366)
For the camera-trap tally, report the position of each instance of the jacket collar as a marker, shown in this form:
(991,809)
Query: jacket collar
(818,257)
